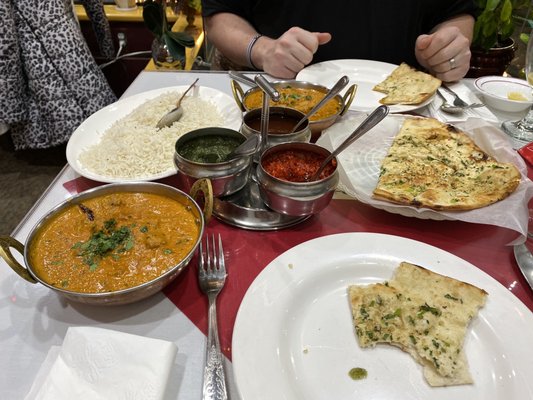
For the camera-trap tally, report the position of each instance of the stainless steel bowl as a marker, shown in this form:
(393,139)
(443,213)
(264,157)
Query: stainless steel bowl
(316,126)
(296,198)
(253,117)
(118,297)
(226,177)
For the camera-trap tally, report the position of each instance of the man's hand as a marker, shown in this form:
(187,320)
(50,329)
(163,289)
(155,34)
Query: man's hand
(445,53)
(286,56)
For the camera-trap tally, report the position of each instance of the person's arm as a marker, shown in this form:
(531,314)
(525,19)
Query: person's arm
(445,52)
(230,34)
(283,57)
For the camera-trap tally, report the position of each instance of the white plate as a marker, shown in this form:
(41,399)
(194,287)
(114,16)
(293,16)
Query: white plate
(91,130)
(365,73)
(360,163)
(294,339)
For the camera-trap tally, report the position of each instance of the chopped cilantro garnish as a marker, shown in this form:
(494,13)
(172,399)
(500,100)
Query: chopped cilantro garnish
(107,241)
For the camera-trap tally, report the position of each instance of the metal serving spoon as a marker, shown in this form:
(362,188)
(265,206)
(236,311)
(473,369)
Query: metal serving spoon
(176,113)
(372,120)
(341,84)
(246,148)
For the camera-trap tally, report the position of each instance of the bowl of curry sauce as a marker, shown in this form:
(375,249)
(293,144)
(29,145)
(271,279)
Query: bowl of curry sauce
(281,121)
(301,96)
(285,178)
(114,244)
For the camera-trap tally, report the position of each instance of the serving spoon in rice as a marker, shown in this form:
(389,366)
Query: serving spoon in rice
(176,113)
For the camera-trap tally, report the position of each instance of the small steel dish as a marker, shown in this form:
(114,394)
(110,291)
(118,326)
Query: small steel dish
(119,297)
(296,198)
(253,117)
(226,177)
(316,126)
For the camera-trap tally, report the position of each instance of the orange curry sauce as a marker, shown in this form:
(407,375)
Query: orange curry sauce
(113,242)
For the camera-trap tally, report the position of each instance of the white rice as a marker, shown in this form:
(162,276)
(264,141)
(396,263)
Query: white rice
(133,148)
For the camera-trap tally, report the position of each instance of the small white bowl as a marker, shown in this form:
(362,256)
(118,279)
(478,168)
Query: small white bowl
(497,89)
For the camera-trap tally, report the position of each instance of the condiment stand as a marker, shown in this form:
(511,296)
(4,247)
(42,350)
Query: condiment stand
(245,208)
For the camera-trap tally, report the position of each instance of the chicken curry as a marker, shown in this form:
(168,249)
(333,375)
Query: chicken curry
(113,242)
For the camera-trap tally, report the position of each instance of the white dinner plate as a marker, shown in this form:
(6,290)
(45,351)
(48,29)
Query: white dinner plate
(365,73)
(294,339)
(91,130)
(360,164)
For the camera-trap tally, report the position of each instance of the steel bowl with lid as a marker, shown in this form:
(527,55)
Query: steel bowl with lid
(301,96)
(74,252)
(201,153)
(284,178)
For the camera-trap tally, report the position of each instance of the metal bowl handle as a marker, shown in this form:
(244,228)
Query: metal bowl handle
(6,243)
(238,94)
(205,187)
(348,98)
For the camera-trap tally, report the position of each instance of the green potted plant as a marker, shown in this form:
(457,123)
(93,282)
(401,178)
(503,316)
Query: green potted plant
(493,46)
(168,48)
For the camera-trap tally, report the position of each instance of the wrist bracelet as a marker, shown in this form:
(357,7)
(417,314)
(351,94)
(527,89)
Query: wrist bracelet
(249,50)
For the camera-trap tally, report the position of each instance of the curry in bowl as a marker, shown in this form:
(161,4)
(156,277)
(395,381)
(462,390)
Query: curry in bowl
(116,243)
(300,98)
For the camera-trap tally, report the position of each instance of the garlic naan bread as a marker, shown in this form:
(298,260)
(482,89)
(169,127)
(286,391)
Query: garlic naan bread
(435,165)
(425,314)
(406,85)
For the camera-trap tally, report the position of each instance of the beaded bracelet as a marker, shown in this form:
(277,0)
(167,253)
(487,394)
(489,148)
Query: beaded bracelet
(249,50)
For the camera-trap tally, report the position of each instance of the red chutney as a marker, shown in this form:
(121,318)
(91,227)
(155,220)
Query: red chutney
(296,165)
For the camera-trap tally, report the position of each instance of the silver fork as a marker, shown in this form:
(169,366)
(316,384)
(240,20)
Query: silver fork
(211,276)
(457,101)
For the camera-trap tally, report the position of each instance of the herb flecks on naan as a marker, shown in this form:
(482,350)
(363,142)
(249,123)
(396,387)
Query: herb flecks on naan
(432,164)
(406,85)
(425,314)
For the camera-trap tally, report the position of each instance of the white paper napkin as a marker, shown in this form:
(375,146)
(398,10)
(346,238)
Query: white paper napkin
(433,110)
(97,364)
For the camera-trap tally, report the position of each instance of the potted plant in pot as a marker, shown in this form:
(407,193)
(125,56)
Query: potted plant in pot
(493,47)
(168,47)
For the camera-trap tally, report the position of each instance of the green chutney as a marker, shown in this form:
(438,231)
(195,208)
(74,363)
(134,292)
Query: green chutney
(209,149)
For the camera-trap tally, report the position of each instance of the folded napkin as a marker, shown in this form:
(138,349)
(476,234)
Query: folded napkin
(433,110)
(98,364)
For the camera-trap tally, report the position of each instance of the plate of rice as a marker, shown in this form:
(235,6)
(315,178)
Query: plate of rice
(121,143)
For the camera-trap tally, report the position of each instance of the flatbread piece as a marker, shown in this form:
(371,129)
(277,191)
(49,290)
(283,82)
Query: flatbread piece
(406,85)
(435,165)
(423,313)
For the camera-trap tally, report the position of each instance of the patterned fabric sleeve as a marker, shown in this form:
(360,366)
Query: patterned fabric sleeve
(53,83)
(95,12)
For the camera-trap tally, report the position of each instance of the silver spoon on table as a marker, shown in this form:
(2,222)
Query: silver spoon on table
(372,120)
(447,107)
(176,113)
(341,84)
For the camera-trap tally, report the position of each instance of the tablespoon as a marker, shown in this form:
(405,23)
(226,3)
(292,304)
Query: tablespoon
(341,84)
(447,107)
(175,114)
(372,120)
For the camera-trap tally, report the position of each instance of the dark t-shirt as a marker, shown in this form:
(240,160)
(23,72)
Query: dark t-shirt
(382,30)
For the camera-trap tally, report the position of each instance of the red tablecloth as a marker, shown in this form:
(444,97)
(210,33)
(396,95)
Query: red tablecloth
(249,252)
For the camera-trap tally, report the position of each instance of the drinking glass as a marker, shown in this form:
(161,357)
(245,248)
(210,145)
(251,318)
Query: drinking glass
(521,132)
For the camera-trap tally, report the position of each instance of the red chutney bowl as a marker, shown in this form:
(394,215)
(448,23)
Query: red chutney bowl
(283,175)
